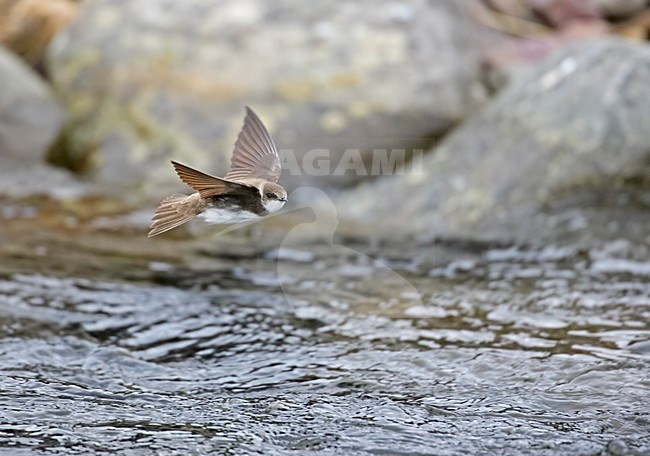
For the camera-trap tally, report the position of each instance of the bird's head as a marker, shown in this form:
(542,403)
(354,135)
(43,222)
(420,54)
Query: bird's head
(273,196)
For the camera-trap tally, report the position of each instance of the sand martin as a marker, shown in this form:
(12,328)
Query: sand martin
(248,191)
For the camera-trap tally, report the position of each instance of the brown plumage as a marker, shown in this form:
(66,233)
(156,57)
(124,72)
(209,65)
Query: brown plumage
(248,191)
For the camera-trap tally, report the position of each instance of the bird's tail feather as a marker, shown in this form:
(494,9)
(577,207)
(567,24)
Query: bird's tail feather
(170,213)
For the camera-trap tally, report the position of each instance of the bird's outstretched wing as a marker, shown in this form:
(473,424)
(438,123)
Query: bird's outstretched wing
(206,184)
(255,154)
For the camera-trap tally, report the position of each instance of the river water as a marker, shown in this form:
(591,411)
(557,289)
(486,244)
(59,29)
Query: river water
(345,347)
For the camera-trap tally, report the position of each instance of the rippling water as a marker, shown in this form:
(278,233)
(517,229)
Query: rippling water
(345,350)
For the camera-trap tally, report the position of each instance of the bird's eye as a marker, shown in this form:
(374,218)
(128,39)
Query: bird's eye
(270,195)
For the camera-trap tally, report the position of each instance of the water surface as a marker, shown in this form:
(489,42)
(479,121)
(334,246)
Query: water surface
(335,349)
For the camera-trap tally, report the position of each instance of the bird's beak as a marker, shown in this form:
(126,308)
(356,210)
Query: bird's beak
(284,200)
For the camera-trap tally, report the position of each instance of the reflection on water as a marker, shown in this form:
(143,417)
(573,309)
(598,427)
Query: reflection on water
(509,350)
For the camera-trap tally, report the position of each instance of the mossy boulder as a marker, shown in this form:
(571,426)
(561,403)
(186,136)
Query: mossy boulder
(145,81)
(572,134)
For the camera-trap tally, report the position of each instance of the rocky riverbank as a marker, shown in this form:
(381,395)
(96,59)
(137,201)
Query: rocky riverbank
(486,293)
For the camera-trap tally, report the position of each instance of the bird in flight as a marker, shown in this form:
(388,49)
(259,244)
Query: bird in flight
(249,191)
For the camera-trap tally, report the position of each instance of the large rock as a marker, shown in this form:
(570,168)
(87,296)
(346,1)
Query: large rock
(149,80)
(30,117)
(30,121)
(571,134)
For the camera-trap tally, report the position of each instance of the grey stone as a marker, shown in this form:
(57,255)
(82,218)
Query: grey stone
(569,135)
(145,81)
(30,120)
(30,117)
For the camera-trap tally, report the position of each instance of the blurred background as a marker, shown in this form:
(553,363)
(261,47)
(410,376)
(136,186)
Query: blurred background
(516,103)
(486,295)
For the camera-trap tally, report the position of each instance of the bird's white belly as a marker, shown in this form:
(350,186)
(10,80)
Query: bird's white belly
(222,216)
(273,205)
